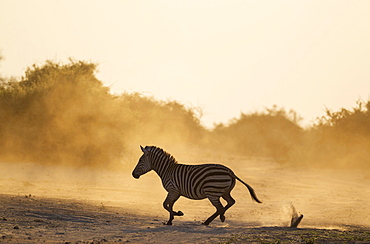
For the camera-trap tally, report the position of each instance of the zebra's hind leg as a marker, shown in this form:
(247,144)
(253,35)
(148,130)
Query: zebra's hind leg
(168,205)
(230,202)
(219,209)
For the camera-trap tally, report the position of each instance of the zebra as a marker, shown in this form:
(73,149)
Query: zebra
(196,182)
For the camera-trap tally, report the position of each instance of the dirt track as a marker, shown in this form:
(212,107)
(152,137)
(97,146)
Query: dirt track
(61,205)
(35,220)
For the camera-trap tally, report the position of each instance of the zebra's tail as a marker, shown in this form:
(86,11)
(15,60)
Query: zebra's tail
(251,191)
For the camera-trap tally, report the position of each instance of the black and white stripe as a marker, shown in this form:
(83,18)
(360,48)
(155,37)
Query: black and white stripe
(197,182)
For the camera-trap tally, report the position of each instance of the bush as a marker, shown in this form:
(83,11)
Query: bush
(340,139)
(272,133)
(62,114)
(58,113)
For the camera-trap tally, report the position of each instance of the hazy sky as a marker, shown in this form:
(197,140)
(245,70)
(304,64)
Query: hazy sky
(225,57)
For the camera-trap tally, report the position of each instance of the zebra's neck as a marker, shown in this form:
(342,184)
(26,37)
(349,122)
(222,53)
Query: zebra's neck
(162,162)
(162,168)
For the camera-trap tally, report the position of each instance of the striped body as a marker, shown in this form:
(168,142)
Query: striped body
(211,181)
(199,181)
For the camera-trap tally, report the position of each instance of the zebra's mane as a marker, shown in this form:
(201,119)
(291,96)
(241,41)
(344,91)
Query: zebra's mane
(160,152)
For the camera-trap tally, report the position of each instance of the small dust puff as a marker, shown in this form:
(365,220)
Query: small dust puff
(294,222)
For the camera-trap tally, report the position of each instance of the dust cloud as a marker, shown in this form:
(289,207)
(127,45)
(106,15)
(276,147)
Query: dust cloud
(332,199)
(64,135)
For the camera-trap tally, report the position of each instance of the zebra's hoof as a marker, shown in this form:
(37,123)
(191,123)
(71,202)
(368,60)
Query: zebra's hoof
(179,213)
(222,217)
(167,223)
(204,223)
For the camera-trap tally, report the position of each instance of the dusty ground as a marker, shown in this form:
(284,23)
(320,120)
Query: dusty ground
(65,205)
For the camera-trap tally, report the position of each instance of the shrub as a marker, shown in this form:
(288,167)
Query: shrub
(60,113)
(272,133)
(341,139)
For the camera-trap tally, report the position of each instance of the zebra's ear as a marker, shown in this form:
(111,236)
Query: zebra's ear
(143,149)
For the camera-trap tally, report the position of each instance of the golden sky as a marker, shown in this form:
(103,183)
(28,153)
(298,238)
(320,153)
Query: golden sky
(225,57)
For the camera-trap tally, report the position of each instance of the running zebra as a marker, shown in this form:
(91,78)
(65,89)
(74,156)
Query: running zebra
(196,182)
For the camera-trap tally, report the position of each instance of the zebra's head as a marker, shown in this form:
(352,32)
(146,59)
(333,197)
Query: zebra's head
(143,166)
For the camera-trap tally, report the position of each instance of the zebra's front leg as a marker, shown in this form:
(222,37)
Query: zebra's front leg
(220,210)
(168,205)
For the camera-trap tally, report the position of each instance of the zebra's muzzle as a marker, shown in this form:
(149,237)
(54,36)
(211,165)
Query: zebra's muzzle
(135,175)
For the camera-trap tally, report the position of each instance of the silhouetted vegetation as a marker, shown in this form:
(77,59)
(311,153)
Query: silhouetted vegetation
(272,133)
(61,113)
(58,113)
(340,139)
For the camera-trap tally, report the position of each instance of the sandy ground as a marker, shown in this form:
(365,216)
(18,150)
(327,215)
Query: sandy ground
(66,205)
